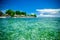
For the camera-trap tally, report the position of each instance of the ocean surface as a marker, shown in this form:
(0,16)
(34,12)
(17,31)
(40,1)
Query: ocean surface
(29,28)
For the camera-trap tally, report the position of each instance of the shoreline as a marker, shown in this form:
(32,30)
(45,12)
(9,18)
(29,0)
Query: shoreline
(28,17)
(18,17)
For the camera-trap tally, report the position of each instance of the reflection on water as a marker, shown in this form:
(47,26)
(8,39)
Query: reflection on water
(30,29)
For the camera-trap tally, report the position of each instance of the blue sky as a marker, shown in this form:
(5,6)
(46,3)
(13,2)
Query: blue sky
(29,5)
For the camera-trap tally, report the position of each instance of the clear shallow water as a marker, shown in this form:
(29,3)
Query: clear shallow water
(30,29)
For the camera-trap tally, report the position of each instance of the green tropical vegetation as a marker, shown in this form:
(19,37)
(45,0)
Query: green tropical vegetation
(33,15)
(17,12)
(20,13)
(12,13)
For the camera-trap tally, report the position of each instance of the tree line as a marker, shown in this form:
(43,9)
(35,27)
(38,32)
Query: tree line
(13,13)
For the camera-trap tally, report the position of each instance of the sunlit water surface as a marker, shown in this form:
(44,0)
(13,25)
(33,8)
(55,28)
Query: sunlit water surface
(29,28)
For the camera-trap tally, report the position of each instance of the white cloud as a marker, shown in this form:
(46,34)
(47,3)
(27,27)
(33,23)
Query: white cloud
(49,12)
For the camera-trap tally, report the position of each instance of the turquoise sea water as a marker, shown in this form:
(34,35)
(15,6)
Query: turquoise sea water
(29,28)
